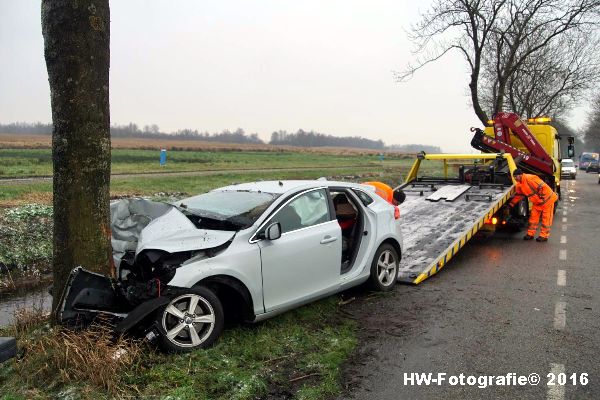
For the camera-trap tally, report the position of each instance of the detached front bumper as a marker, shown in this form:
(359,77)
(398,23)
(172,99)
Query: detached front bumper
(8,348)
(89,295)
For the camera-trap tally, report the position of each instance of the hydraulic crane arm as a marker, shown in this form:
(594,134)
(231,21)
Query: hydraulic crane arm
(537,160)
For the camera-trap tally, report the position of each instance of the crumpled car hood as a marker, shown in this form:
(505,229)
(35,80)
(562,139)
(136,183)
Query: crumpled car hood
(174,232)
(139,224)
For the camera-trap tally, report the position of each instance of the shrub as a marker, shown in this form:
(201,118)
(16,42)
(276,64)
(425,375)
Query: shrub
(26,240)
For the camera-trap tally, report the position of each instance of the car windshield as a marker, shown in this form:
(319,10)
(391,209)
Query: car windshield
(567,163)
(232,209)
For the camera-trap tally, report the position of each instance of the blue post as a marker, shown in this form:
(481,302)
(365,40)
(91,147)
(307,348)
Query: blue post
(163,157)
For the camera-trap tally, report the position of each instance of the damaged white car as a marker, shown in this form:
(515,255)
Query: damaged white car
(248,251)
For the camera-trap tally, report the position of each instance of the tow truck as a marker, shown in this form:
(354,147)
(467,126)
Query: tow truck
(444,210)
(535,147)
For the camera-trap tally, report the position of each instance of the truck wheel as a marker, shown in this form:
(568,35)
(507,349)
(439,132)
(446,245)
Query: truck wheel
(193,320)
(384,268)
(519,216)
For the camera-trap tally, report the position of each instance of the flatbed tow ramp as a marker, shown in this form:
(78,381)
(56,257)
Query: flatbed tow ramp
(440,215)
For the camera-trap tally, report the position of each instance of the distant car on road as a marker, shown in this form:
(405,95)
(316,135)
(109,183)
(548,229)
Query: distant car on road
(568,169)
(592,167)
(586,158)
(250,250)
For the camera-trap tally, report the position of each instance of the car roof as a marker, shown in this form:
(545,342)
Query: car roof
(566,159)
(284,186)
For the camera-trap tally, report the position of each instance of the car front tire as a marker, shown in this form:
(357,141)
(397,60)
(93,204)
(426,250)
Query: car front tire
(384,268)
(193,320)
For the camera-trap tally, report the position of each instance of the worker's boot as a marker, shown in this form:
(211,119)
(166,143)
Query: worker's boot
(527,237)
(541,239)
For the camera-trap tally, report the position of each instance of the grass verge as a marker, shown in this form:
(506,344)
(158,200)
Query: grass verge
(293,356)
(15,194)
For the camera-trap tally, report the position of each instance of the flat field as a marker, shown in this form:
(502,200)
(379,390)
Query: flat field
(17,163)
(17,141)
(192,166)
(29,155)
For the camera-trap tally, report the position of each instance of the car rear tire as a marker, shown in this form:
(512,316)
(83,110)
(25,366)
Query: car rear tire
(193,320)
(384,268)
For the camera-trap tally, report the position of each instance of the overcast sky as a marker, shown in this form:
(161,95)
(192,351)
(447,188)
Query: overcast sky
(260,65)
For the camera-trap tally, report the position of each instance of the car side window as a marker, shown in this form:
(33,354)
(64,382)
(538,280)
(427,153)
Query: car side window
(306,210)
(364,198)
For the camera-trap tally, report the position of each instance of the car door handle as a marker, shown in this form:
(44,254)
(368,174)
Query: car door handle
(328,239)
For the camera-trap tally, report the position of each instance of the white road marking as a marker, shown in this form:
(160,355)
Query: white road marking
(564,219)
(556,391)
(563,239)
(564,212)
(562,255)
(560,315)
(564,228)
(561,279)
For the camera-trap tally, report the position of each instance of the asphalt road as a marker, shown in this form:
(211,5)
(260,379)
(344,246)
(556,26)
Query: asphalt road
(501,306)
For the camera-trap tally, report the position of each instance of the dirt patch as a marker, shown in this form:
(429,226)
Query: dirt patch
(378,322)
(14,141)
(47,197)
(28,198)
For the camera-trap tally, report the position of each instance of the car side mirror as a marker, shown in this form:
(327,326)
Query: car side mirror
(571,151)
(576,166)
(273,231)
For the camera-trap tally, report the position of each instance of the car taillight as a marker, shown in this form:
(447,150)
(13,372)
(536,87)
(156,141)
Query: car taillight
(396,212)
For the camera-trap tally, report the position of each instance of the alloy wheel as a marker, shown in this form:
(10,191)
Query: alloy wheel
(386,268)
(188,320)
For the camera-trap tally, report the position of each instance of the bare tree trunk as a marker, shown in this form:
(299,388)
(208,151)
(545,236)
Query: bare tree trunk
(76,48)
(499,104)
(475,98)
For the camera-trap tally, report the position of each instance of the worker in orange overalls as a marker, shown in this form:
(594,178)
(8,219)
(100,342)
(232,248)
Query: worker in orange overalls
(542,199)
(393,197)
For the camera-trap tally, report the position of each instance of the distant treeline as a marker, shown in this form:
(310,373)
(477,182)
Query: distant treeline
(27,128)
(314,139)
(414,148)
(301,138)
(153,131)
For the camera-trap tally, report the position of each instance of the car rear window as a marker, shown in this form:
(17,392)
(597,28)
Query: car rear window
(567,163)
